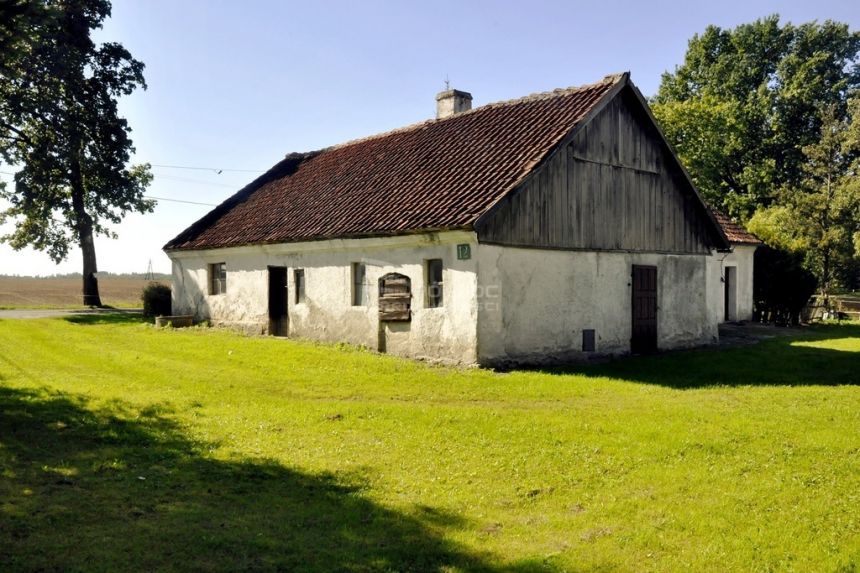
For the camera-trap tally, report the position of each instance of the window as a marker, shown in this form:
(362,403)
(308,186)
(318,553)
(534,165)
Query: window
(360,292)
(434,283)
(218,278)
(395,298)
(299,279)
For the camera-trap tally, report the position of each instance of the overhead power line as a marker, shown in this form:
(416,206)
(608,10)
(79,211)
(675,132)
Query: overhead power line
(184,180)
(179,201)
(216,170)
(197,181)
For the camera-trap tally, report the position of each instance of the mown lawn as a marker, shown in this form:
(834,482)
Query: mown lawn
(123,447)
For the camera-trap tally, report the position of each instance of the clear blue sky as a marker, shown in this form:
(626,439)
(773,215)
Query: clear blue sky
(237,85)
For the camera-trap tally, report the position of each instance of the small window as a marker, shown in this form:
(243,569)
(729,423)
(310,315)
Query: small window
(435,286)
(360,292)
(299,276)
(218,278)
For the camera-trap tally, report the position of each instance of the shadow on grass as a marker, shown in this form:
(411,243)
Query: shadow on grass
(122,489)
(106,317)
(784,361)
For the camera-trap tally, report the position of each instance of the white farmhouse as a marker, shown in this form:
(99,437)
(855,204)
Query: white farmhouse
(546,228)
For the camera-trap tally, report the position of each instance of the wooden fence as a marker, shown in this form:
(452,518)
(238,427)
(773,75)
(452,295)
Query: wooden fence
(840,307)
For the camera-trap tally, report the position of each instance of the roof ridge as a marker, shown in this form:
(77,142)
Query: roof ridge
(557,92)
(536,96)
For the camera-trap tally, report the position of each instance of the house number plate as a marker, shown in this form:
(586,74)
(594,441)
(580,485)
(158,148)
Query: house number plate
(464,252)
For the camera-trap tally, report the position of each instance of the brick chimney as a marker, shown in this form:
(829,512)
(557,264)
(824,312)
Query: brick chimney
(451,102)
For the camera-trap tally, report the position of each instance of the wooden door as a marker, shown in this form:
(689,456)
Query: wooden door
(278,301)
(644,339)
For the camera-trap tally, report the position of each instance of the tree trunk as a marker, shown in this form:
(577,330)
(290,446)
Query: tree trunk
(91,283)
(84,227)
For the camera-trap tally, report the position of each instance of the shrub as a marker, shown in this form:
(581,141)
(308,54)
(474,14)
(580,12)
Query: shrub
(781,286)
(156,300)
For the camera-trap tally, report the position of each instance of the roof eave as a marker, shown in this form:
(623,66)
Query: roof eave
(371,235)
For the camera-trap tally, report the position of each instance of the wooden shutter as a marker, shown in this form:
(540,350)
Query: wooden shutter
(395,298)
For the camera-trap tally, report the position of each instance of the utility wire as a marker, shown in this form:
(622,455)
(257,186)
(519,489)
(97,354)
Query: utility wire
(214,169)
(184,180)
(179,201)
(198,181)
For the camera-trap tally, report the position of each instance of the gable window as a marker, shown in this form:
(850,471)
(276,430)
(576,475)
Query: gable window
(218,278)
(360,292)
(435,285)
(299,280)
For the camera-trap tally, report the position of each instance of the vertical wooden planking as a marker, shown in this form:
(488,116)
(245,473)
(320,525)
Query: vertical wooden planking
(617,200)
(678,211)
(563,198)
(542,206)
(573,194)
(588,209)
(611,188)
(614,132)
(648,232)
(587,203)
(622,196)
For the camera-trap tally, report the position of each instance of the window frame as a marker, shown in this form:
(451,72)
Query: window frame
(360,293)
(435,289)
(217,279)
(299,284)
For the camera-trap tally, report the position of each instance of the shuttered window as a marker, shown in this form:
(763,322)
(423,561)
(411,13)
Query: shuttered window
(360,292)
(218,278)
(435,286)
(395,298)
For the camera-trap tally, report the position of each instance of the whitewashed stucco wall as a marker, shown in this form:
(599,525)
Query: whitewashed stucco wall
(542,300)
(742,259)
(505,304)
(448,333)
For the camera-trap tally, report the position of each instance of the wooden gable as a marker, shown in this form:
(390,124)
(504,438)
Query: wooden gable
(612,185)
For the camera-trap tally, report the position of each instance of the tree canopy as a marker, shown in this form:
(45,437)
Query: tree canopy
(766,117)
(61,130)
(746,101)
(820,216)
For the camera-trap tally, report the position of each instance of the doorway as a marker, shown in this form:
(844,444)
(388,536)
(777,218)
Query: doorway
(278,301)
(644,339)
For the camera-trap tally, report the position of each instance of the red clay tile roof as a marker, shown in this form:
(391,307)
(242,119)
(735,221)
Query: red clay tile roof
(734,232)
(435,175)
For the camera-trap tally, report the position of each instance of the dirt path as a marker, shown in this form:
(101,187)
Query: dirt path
(741,334)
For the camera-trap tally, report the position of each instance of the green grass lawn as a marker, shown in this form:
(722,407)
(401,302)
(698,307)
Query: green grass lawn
(125,447)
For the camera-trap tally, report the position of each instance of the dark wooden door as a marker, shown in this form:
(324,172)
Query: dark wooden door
(278,301)
(644,338)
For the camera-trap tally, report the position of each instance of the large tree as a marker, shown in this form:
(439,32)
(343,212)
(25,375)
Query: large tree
(18,20)
(61,130)
(819,217)
(745,103)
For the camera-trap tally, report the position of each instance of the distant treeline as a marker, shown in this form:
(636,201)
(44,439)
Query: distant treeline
(132,276)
